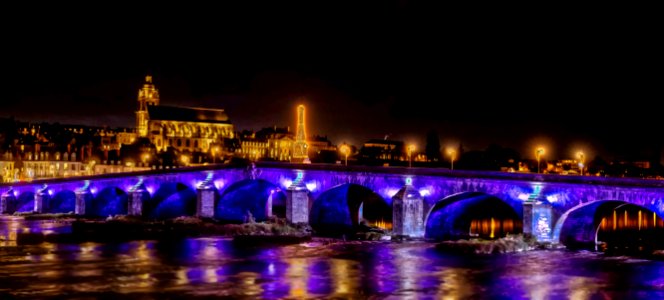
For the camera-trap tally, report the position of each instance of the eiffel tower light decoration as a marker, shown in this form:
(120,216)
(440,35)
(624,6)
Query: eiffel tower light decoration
(300,145)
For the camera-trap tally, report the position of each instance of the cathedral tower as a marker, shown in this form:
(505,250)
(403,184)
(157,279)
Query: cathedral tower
(148,95)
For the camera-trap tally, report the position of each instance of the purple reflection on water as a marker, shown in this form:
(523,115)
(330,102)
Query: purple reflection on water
(217,267)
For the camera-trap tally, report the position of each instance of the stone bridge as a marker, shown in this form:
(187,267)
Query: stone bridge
(434,203)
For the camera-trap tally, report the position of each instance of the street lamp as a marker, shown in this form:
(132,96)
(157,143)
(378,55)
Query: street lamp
(410,149)
(345,150)
(452,154)
(538,153)
(582,161)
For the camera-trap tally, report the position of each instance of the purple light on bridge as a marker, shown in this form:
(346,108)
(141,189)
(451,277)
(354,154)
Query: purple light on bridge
(425,192)
(523,196)
(285,182)
(390,192)
(311,186)
(219,184)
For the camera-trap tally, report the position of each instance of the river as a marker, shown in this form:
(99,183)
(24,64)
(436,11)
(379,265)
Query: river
(216,267)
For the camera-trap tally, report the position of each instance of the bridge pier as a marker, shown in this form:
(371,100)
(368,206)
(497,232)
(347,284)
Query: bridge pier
(83,196)
(205,196)
(538,218)
(6,201)
(297,201)
(137,195)
(41,200)
(408,212)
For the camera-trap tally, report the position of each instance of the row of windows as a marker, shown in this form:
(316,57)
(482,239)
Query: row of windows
(58,166)
(171,130)
(178,143)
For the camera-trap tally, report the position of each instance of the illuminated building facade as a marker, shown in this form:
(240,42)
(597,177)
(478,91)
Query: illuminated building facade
(376,150)
(188,129)
(270,143)
(41,164)
(185,129)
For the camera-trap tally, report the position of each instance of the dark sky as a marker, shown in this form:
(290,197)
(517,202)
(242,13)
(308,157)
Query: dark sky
(582,80)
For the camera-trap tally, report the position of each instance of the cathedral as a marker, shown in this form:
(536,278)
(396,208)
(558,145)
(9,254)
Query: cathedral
(186,129)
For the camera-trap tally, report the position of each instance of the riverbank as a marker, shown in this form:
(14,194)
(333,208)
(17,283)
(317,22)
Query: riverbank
(508,244)
(127,228)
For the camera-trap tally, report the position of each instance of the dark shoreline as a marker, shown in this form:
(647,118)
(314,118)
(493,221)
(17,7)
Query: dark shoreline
(126,228)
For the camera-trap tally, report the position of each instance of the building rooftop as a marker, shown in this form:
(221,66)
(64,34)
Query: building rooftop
(384,142)
(187,114)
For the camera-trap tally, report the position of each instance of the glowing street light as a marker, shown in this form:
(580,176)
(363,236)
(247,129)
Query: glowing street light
(184,159)
(410,150)
(345,150)
(538,153)
(452,154)
(582,161)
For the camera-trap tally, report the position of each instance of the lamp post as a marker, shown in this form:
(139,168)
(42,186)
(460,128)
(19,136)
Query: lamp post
(538,154)
(345,150)
(582,161)
(452,154)
(410,149)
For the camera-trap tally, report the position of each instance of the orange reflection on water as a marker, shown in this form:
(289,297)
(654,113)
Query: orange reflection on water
(493,228)
(637,220)
(342,272)
(454,284)
(249,285)
(210,275)
(297,277)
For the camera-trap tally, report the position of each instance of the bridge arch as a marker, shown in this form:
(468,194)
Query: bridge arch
(470,214)
(171,200)
(340,209)
(26,202)
(587,224)
(109,201)
(249,195)
(62,202)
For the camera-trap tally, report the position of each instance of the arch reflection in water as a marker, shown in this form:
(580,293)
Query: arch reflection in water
(493,227)
(630,227)
(468,215)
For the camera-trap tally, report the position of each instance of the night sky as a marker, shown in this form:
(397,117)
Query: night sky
(363,71)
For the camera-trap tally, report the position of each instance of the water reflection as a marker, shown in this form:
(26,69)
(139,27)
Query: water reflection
(297,276)
(216,267)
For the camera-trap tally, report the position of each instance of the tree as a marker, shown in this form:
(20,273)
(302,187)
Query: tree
(432,149)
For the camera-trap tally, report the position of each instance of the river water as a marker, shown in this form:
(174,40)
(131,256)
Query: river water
(216,267)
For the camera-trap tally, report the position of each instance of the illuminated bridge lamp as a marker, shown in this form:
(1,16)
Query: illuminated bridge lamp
(582,161)
(452,154)
(410,150)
